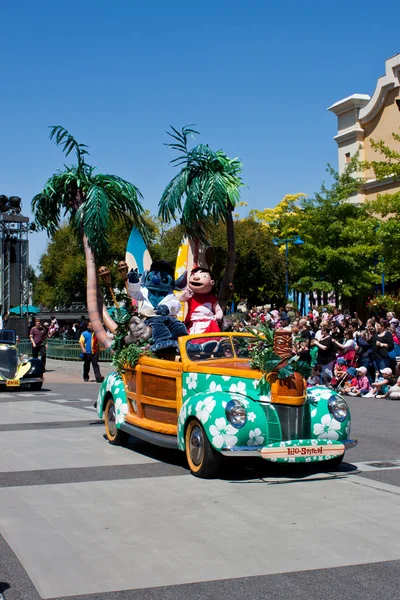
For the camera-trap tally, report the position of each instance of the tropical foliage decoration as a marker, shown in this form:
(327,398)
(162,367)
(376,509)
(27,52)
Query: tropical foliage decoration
(264,358)
(91,201)
(129,355)
(210,183)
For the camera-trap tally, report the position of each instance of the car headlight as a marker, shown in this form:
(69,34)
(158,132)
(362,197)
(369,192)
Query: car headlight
(236,413)
(338,408)
(24,358)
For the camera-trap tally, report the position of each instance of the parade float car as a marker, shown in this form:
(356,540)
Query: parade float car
(209,403)
(18,370)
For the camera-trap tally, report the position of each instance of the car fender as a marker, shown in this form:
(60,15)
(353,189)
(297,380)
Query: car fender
(209,409)
(113,385)
(323,423)
(32,368)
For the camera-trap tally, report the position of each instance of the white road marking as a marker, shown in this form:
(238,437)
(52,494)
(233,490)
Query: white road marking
(378,465)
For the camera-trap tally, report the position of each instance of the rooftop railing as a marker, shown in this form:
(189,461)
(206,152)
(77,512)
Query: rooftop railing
(61,350)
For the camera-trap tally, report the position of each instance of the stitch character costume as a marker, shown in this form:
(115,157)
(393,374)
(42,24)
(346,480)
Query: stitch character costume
(158,304)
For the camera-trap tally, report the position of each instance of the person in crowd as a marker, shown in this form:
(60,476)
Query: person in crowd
(90,350)
(363,386)
(326,353)
(394,391)
(325,315)
(54,328)
(303,350)
(304,330)
(274,318)
(351,380)
(38,339)
(364,352)
(337,316)
(348,348)
(290,312)
(381,386)
(339,370)
(382,344)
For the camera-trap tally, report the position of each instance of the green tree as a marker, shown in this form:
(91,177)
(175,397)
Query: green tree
(340,246)
(92,202)
(386,207)
(62,277)
(209,183)
(260,268)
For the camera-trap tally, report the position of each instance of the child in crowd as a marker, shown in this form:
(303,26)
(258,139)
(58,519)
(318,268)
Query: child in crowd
(362,386)
(315,377)
(384,382)
(339,370)
(351,381)
(394,391)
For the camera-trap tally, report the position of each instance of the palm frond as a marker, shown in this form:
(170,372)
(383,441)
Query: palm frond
(181,139)
(68,142)
(91,219)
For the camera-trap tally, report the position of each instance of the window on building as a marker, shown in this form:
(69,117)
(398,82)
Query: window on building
(347,157)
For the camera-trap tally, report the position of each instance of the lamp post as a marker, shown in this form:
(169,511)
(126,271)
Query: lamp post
(296,239)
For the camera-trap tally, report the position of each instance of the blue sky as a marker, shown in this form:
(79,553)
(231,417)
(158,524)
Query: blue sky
(255,77)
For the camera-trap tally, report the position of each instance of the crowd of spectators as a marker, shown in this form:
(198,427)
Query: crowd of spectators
(361,358)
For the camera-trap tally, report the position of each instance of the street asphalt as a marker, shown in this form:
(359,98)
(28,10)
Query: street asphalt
(83,520)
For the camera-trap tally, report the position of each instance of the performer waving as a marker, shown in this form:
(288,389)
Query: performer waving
(204,312)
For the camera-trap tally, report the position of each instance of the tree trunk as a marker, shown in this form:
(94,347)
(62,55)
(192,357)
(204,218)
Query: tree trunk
(109,321)
(93,294)
(230,263)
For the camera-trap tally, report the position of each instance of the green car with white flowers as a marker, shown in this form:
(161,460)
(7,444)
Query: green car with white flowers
(208,402)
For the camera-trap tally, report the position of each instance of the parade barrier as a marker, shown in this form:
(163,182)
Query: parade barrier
(61,350)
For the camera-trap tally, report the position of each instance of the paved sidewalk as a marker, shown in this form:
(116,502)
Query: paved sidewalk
(71,371)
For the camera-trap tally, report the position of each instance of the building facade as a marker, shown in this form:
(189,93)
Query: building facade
(362,118)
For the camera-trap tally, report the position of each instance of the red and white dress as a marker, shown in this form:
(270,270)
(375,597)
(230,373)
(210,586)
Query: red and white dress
(200,317)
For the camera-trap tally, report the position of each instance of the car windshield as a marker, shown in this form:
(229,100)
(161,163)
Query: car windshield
(217,348)
(7,336)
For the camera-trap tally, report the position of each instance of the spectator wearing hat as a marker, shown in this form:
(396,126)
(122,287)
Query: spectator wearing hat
(351,381)
(363,386)
(384,382)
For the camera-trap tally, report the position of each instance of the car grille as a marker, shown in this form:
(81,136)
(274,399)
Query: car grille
(291,418)
(8,361)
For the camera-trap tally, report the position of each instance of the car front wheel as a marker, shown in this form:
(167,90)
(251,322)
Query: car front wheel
(115,436)
(37,386)
(202,458)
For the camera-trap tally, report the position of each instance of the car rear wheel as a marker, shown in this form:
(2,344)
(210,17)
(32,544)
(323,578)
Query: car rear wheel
(202,458)
(115,436)
(36,387)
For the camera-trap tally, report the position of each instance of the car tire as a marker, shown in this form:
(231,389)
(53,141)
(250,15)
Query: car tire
(36,387)
(115,436)
(202,458)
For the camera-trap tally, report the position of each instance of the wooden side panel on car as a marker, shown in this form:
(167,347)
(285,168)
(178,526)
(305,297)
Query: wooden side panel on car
(155,395)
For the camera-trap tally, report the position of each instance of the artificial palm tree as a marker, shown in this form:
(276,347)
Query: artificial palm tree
(92,202)
(209,182)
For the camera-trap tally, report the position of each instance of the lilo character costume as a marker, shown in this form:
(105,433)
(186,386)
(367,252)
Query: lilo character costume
(159,305)
(204,312)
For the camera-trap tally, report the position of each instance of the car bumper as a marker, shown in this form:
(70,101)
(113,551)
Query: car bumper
(24,380)
(297,451)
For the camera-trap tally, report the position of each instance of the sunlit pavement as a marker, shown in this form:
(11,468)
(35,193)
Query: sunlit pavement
(82,519)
